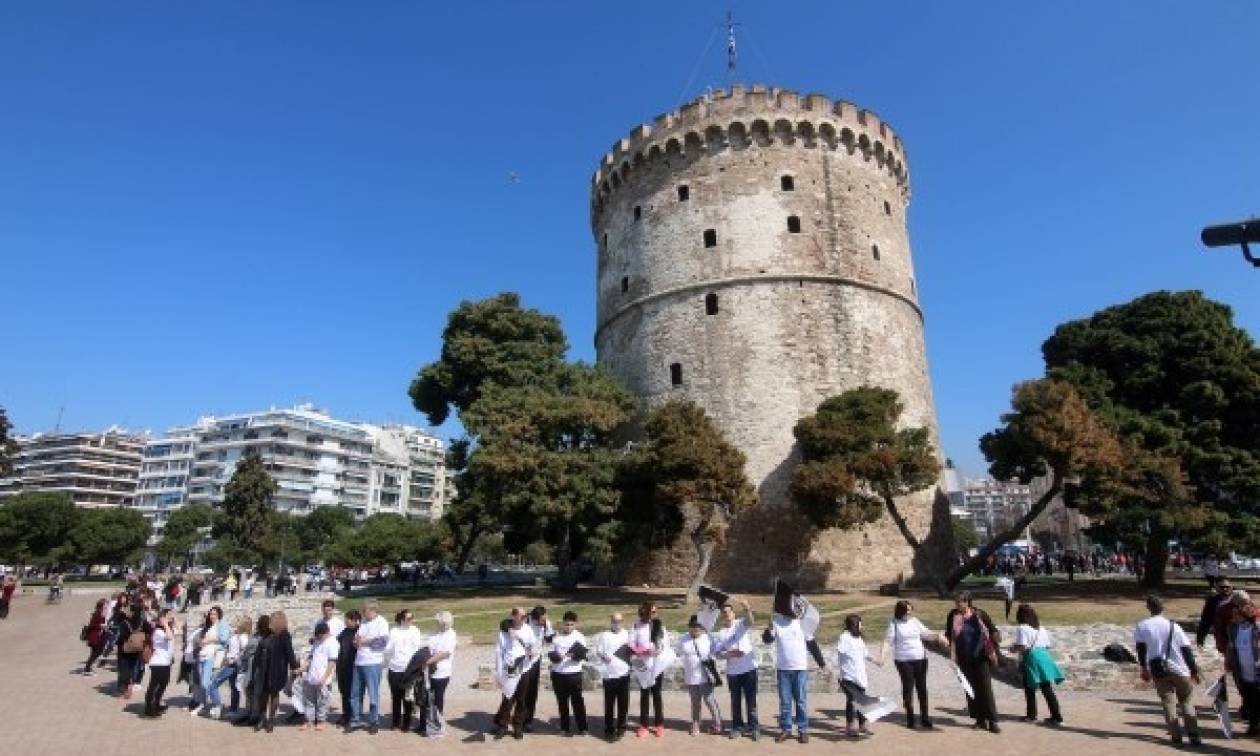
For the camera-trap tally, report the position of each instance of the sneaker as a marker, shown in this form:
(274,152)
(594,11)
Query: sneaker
(216,712)
(755,734)
(319,727)
(659,731)
(1176,740)
(303,727)
(695,729)
(924,722)
(732,733)
(372,729)
(716,730)
(518,734)
(782,737)
(993,728)
(1194,741)
(803,737)
(641,732)
(1053,721)
(500,733)
(194,710)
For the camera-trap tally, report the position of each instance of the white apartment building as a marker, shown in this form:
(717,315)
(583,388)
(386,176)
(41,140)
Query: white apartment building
(994,504)
(316,461)
(93,469)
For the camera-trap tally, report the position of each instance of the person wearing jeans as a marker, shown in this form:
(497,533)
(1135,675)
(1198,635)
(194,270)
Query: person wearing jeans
(231,666)
(790,664)
(734,645)
(441,662)
(369,642)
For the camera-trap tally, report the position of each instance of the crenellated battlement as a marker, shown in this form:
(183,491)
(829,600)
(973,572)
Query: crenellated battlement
(753,116)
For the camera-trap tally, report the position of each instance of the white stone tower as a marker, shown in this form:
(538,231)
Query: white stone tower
(753,257)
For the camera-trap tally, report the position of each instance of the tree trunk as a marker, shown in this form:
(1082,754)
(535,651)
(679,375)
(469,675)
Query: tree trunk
(981,558)
(1156,560)
(704,558)
(464,550)
(564,560)
(915,544)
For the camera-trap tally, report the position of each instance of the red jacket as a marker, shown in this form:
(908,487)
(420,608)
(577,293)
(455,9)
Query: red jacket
(96,628)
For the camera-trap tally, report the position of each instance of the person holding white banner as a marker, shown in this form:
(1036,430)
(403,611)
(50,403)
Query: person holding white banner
(652,656)
(851,659)
(973,641)
(517,644)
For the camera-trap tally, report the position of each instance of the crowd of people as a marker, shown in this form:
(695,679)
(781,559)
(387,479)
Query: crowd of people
(262,660)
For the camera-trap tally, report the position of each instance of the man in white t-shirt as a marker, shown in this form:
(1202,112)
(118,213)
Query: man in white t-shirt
(791,660)
(329,616)
(1164,652)
(369,642)
(735,646)
(615,674)
(317,676)
(516,647)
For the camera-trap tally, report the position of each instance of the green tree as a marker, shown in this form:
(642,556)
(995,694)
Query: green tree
(248,515)
(474,513)
(112,536)
(183,530)
(34,526)
(387,539)
(965,536)
(319,530)
(1180,383)
(8,446)
(686,478)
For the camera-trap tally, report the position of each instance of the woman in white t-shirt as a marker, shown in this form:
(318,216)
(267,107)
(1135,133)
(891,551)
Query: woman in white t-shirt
(162,642)
(905,636)
(442,662)
(404,641)
(695,650)
(851,656)
(1037,667)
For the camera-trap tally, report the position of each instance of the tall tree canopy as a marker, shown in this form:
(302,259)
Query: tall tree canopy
(34,526)
(245,525)
(107,536)
(183,530)
(1180,383)
(686,478)
(386,539)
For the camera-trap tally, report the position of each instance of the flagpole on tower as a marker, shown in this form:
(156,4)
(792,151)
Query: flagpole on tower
(730,48)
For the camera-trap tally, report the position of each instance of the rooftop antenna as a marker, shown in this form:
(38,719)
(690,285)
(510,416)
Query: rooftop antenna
(730,47)
(60,411)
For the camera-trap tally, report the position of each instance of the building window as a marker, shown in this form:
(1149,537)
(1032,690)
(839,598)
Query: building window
(794,224)
(710,304)
(710,237)
(675,373)
(638,211)
(786,183)
(875,251)
(625,284)
(684,193)
(887,208)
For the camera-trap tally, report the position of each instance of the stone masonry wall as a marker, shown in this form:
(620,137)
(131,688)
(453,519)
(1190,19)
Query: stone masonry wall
(815,294)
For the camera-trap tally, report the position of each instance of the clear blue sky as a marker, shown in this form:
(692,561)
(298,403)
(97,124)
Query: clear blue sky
(215,207)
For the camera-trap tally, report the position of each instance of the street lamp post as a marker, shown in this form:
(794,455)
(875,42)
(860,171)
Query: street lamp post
(1241,234)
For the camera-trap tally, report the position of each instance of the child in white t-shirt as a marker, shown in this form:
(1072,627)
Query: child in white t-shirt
(317,674)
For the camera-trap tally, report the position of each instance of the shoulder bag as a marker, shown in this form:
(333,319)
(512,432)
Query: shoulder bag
(1159,667)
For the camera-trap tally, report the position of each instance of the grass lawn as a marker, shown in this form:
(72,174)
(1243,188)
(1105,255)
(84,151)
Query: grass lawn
(478,611)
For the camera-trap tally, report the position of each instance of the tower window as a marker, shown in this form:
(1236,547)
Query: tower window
(625,284)
(684,193)
(794,224)
(675,373)
(710,237)
(638,211)
(710,304)
(604,243)
(786,183)
(887,208)
(911,285)
(875,251)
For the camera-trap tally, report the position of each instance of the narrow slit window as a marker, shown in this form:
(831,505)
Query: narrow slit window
(794,224)
(675,374)
(684,193)
(787,184)
(638,211)
(912,286)
(875,251)
(710,237)
(625,284)
(711,304)
(887,208)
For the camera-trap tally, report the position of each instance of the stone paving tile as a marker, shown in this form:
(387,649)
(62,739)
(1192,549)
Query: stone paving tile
(48,709)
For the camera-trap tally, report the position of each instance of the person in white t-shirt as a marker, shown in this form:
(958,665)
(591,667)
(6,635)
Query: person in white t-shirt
(791,660)
(516,645)
(733,643)
(1037,667)
(163,643)
(567,652)
(404,641)
(615,675)
(695,650)
(1164,653)
(369,643)
(905,636)
(328,615)
(317,675)
(851,657)
(441,663)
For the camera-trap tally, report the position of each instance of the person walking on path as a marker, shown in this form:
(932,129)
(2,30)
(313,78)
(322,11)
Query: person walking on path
(1242,659)
(615,674)
(567,653)
(95,635)
(162,643)
(1165,657)
(1036,665)
(318,671)
(346,654)
(851,657)
(973,641)
(404,641)
(791,660)
(8,587)
(905,637)
(369,642)
(515,647)
(734,644)
(442,661)
(695,650)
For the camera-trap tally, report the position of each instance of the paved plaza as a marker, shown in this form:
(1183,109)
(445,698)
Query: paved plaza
(50,709)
